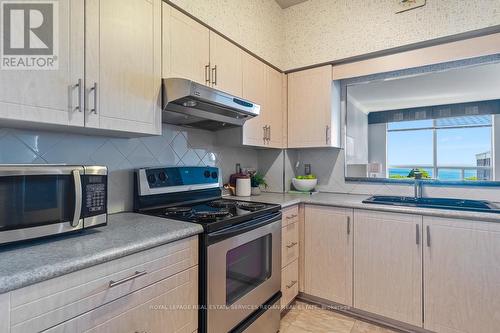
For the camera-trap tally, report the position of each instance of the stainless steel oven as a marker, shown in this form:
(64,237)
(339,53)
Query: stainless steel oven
(243,266)
(44,200)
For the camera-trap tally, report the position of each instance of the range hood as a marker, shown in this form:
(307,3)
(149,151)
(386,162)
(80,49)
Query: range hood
(188,103)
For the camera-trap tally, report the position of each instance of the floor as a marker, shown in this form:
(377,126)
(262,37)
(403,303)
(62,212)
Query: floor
(305,318)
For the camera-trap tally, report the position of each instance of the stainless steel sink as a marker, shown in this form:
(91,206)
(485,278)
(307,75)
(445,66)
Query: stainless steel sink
(441,203)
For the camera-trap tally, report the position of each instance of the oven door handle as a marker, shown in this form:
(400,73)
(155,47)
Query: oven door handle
(78,198)
(239,229)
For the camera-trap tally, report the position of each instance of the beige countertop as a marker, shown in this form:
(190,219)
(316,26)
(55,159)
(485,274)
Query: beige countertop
(356,201)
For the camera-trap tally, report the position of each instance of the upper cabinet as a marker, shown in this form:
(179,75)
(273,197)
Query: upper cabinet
(123,65)
(50,96)
(192,51)
(254,89)
(263,85)
(313,109)
(186,47)
(116,88)
(225,65)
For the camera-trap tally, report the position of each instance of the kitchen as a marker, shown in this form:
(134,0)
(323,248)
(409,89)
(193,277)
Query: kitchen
(249,166)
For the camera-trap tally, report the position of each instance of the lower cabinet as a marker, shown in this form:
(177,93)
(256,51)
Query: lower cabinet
(166,306)
(289,255)
(328,241)
(155,290)
(289,283)
(461,276)
(388,265)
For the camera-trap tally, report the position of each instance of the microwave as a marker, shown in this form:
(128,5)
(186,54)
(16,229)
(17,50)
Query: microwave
(44,200)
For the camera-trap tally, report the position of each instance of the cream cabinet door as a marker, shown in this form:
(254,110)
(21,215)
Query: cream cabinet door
(123,65)
(274,108)
(186,47)
(225,61)
(310,108)
(461,276)
(388,265)
(50,96)
(328,251)
(254,89)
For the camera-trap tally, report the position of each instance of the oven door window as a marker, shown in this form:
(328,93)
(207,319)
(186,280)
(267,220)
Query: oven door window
(30,201)
(248,266)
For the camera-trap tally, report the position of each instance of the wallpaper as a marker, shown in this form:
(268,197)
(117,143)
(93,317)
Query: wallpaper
(318,31)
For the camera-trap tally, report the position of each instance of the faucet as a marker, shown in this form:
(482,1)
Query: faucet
(418,185)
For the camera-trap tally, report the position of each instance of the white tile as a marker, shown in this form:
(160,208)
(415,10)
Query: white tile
(40,142)
(141,157)
(191,158)
(74,149)
(180,145)
(125,146)
(108,155)
(12,150)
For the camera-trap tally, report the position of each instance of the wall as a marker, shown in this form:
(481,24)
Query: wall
(176,146)
(328,163)
(319,31)
(254,24)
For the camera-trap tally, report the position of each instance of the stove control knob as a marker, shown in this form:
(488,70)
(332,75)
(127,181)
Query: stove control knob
(151,178)
(206,174)
(162,176)
(215,175)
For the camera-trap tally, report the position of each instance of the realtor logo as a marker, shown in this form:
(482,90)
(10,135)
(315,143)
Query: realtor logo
(29,35)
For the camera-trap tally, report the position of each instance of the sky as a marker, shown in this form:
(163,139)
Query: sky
(456,147)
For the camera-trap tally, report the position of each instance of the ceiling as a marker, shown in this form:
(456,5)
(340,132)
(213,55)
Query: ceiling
(475,83)
(289,3)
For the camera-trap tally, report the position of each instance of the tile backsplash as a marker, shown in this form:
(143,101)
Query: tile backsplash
(176,146)
(328,165)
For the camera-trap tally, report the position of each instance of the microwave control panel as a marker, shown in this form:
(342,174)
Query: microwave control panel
(94,200)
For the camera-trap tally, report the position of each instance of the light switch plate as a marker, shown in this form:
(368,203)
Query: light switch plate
(405,5)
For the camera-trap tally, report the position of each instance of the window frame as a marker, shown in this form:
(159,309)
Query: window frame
(435,168)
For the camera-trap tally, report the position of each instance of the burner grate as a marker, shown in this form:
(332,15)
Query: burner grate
(222,203)
(251,206)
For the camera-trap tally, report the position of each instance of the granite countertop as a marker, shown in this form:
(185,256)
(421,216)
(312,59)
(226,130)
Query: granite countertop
(126,233)
(355,201)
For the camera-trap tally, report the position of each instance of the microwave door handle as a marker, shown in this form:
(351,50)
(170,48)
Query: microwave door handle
(78,198)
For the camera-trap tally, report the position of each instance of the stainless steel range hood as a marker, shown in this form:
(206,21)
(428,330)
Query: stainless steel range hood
(192,104)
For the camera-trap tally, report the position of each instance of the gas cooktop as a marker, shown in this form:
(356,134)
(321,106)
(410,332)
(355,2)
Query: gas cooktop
(215,214)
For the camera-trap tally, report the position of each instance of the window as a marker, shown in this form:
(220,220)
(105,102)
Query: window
(446,148)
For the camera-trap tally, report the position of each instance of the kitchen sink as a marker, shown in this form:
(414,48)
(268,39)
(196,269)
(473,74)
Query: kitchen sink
(441,203)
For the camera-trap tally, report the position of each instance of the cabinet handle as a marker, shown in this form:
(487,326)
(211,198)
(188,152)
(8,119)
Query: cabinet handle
(417,228)
(327,134)
(94,89)
(269,133)
(292,244)
(79,87)
(214,75)
(207,73)
(289,217)
(428,230)
(122,281)
(348,225)
(264,135)
(293,283)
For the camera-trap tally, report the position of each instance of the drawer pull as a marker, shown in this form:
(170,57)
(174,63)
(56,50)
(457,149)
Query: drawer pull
(288,286)
(122,281)
(291,216)
(292,244)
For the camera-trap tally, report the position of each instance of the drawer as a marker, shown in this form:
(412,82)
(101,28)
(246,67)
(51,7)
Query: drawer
(289,283)
(289,243)
(54,301)
(290,215)
(170,303)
